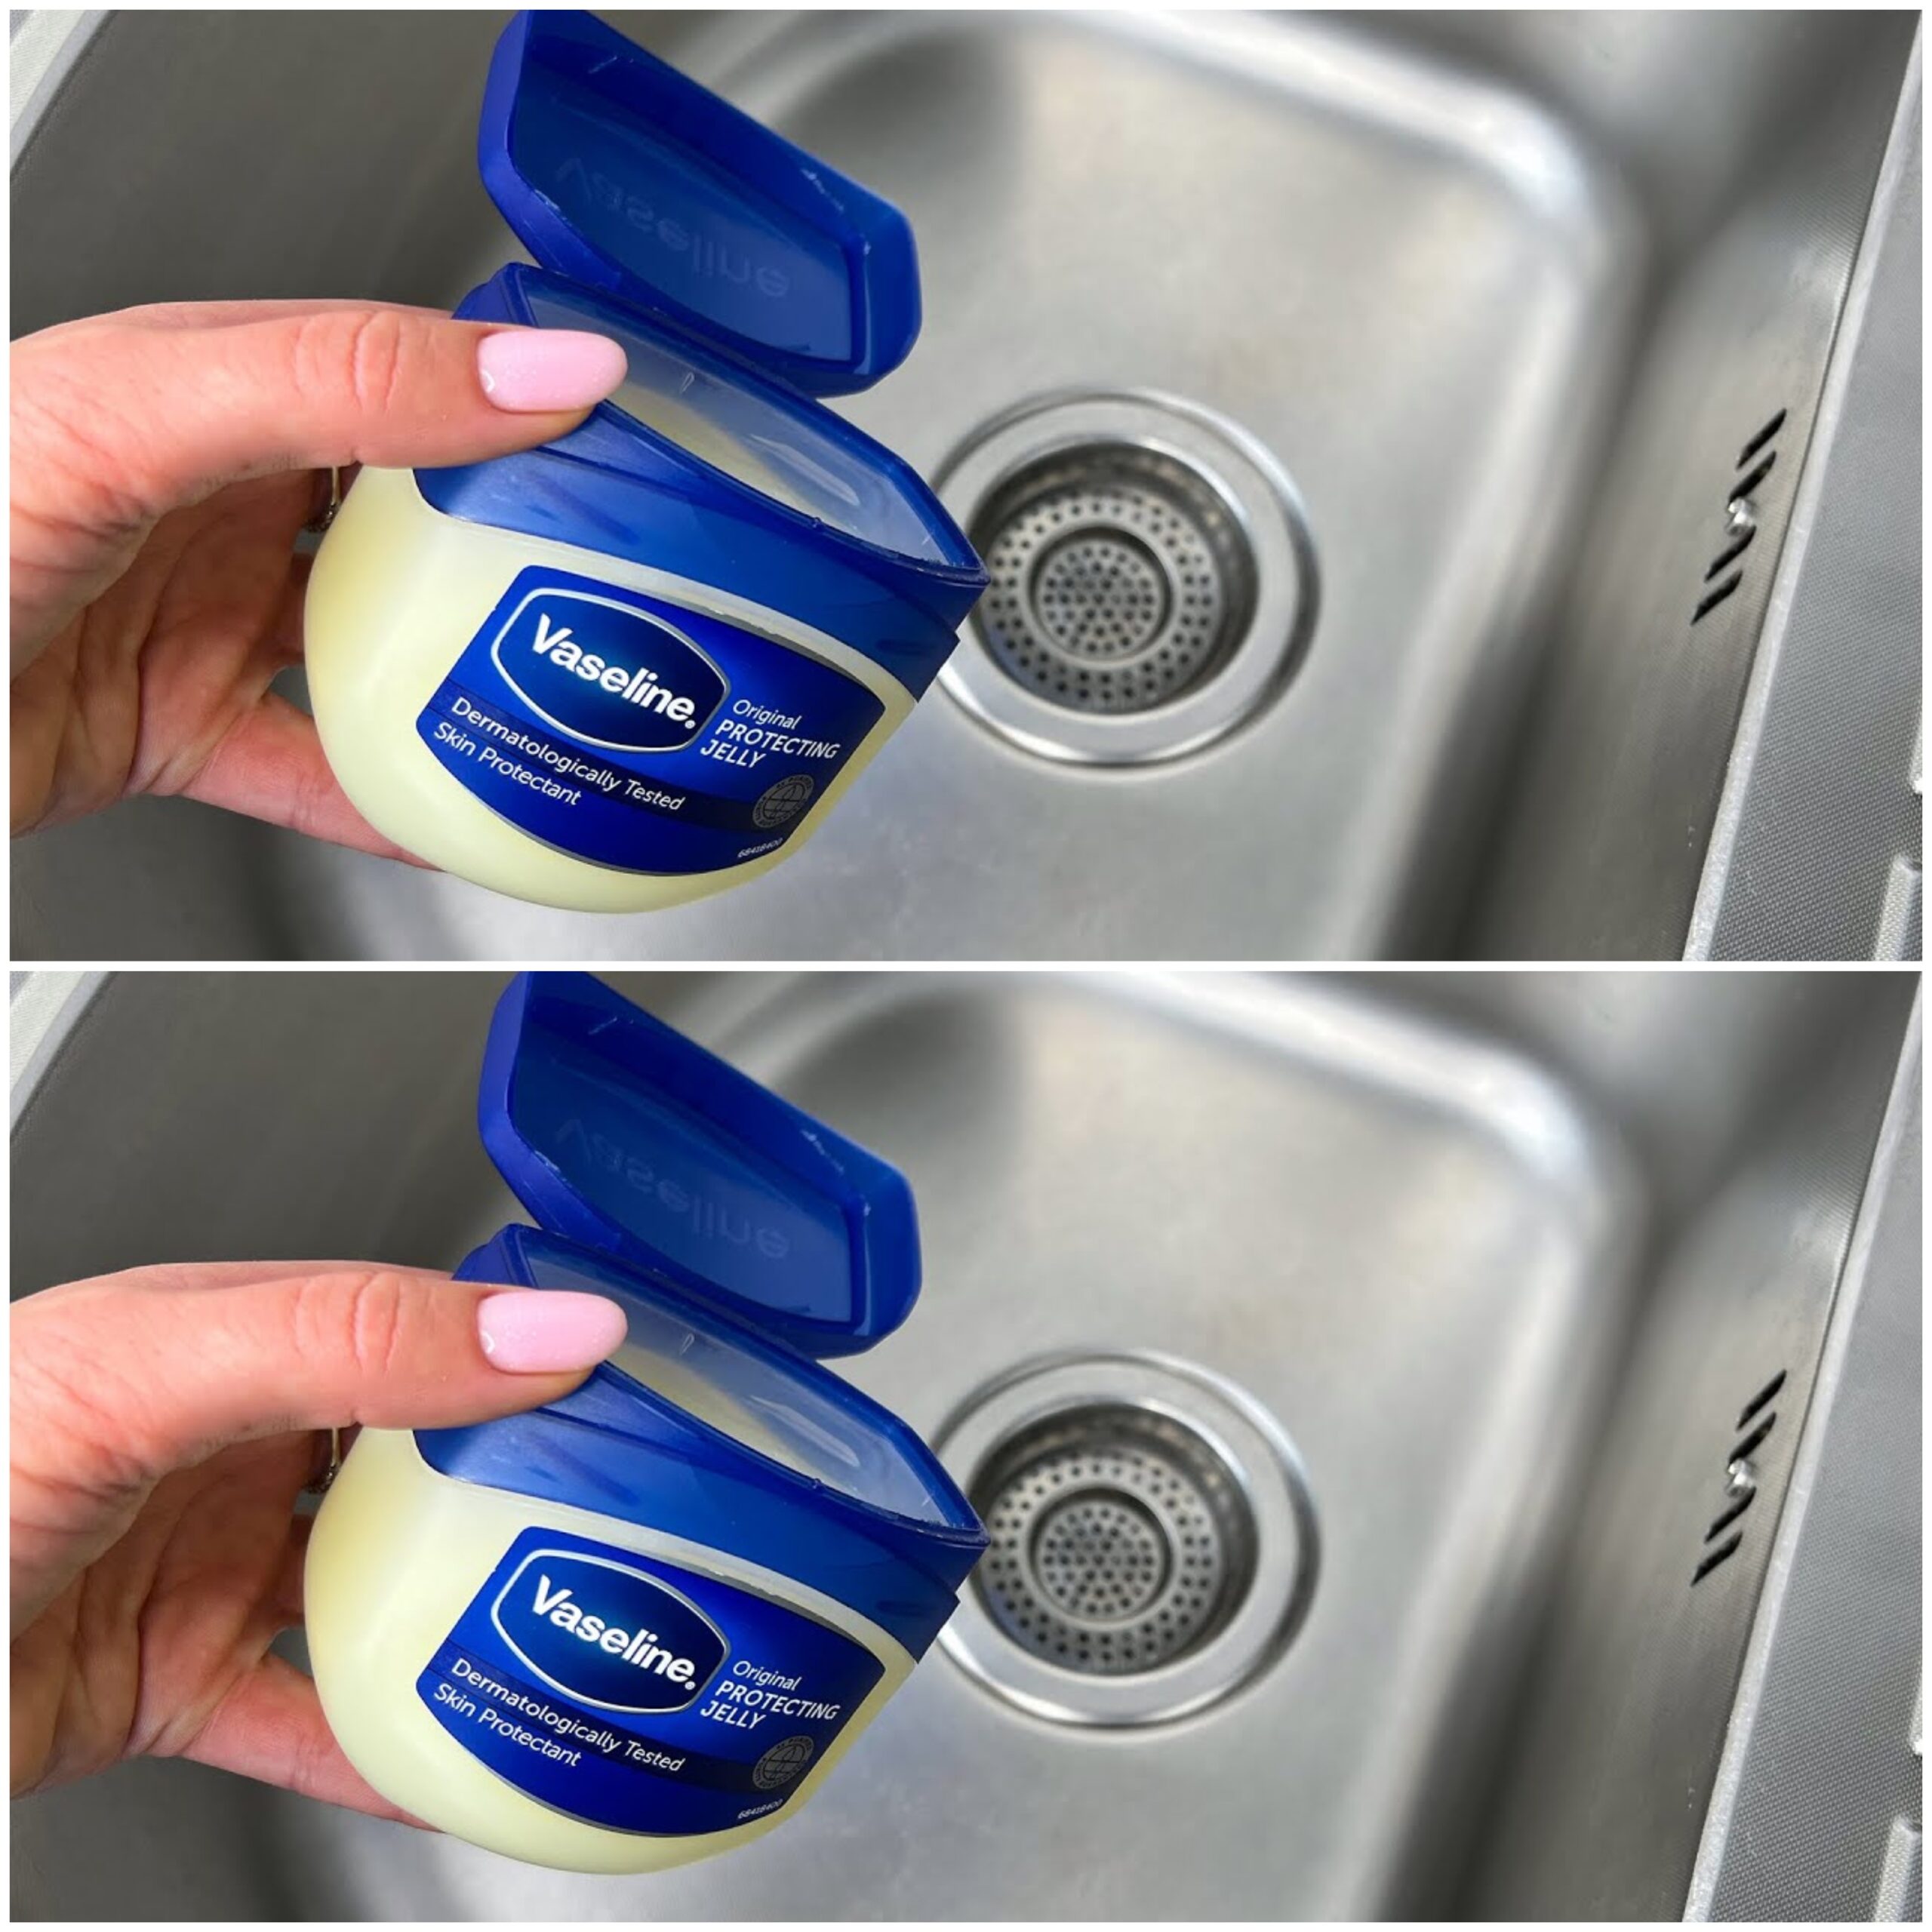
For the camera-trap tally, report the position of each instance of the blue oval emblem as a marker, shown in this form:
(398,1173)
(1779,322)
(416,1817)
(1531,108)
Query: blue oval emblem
(605,1633)
(606,674)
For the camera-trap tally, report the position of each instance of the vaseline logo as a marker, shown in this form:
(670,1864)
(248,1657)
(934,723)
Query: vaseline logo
(606,674)
(606,1634)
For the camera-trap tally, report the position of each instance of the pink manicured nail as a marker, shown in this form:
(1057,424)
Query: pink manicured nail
(526,370)
(538,1332)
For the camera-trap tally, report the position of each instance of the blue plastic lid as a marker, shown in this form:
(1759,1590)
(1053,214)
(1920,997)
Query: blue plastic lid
(706,1427)
(627,1139)
(617,172)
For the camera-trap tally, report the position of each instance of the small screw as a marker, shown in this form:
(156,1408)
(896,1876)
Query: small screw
(1740,516)
(1740,1477)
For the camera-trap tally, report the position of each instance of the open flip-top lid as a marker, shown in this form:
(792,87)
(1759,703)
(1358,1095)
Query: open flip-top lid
(615,171)
(622,1136)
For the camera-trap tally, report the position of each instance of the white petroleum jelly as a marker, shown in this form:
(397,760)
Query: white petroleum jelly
(395,587)
(691,1392)
(397,1554)
(695,433)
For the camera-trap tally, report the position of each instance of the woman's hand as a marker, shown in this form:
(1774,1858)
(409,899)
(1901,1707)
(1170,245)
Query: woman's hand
(165,460)
(164,1421)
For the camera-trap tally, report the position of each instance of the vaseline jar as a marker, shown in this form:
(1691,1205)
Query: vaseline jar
(639,664)
(639,1626)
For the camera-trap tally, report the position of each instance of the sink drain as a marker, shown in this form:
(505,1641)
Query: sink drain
(1152,1545)
(1120,578)
(1150,581)
(1120,1540)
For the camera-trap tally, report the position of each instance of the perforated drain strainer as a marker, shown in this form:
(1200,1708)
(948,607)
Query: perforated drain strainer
(1152,580)
(1098,1556)
(1152,1541)
(1120,1539)
(1120,578)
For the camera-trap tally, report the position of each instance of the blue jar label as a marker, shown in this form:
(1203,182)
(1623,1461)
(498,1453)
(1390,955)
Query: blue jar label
(629,731)
(638,1695)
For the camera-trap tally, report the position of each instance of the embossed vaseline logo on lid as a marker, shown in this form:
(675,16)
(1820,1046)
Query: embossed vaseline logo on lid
(703,1200)
(606,1634)
(680,231)
(605,674)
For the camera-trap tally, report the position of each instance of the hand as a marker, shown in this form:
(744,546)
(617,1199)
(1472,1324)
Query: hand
(164,1421)
(164,461)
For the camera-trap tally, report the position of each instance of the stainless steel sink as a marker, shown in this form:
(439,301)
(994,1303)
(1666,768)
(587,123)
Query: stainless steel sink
(1490,1262)
(1492,302)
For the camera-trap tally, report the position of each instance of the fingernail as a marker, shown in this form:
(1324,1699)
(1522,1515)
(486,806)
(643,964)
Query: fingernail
(539,1331)
(528,370)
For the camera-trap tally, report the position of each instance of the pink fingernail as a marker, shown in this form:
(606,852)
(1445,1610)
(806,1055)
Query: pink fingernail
(526,370)
(539,1331)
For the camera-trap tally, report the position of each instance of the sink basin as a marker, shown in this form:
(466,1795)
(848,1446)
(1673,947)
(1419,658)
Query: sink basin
(1489,1260)
(1495,315)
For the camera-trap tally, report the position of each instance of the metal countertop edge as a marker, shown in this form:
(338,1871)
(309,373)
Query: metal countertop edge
(1901,1117)
(1740,772)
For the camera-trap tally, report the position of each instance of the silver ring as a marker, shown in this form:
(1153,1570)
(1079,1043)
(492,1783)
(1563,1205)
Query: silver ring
(318,525)
(320,1487)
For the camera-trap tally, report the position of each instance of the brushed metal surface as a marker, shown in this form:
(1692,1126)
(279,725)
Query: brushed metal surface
(1818,1807)
(1601,846)
(1439,1232)
(1496,291)
(1820,829)
(1616,1755)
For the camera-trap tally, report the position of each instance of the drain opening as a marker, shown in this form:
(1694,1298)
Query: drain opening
(1121,1541)
(1121,580)
(1152,1543)
(1152,580)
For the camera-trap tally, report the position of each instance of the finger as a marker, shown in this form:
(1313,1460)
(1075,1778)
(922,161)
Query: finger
(282,639)
(198,1277)
(114,425)
(270,765)
(210,315)
(113,1386)
(285,1603)
(271,1727)
(179,411)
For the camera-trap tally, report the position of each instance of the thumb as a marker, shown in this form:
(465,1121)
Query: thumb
(170,405)
(120,419)
(118,1380)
